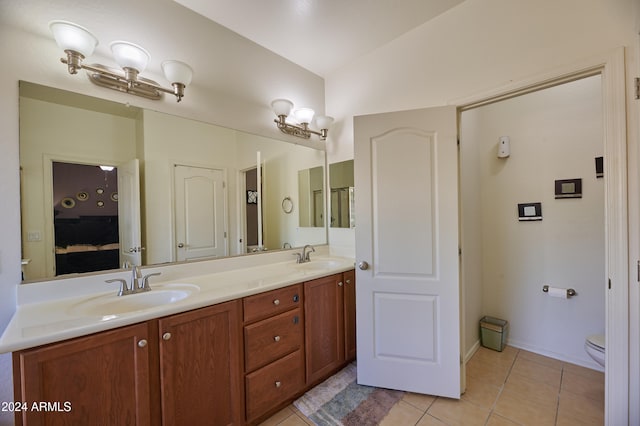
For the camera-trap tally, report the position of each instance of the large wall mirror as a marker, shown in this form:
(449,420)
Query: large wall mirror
(103,184)
(342,194)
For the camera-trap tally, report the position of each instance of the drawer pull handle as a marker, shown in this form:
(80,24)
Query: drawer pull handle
(296,298)
(276,338)
(276,302)
(278,384)
(142,343)
(166,336)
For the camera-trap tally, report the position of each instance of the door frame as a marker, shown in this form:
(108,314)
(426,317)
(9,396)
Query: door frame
(611,67)
(49,229)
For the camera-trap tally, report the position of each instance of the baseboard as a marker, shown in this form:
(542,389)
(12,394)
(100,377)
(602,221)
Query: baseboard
(561,357)
(474,348)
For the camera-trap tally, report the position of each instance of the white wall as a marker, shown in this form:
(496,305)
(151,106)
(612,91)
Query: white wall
(555,134)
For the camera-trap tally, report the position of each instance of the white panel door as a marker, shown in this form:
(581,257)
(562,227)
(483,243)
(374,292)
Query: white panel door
(129,213)
(406,178)
(199,212)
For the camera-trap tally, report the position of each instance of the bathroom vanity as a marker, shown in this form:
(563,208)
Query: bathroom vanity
(210,358)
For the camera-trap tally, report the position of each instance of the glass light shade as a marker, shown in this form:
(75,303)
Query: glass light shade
(282,107)
(70,36)
(304,115)
(177,72)
(106,168)
(324,121)
(129,55)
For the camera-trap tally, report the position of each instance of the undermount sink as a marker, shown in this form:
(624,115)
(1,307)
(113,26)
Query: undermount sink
(318,264)
(111,304)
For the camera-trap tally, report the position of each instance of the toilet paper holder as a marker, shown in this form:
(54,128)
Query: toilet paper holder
(570,291)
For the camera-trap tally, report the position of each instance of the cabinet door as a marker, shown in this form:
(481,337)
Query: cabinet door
(324,326)
(101,379)
(349,279)
(200,366)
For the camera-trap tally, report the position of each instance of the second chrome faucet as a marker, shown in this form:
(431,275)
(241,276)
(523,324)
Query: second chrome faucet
(139,283)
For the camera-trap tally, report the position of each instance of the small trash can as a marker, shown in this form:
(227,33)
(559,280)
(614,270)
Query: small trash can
(493,333)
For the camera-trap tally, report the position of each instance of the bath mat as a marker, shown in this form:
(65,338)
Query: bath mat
(339,400)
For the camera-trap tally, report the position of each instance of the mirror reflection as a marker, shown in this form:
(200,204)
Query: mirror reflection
(341,185)
(104,184)
(311,196)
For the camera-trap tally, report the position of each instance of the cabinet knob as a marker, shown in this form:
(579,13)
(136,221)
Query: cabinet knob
(278,384)
(348,281)
(340,284)
(276,338)
(142,343)
(166,336)
(276,302)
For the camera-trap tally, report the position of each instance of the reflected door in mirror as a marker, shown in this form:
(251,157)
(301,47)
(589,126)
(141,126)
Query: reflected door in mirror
(199,211)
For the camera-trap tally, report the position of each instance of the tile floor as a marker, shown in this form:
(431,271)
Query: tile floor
(512,387)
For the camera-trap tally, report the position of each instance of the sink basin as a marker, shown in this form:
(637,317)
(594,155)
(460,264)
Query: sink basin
(318,265)
(111,304)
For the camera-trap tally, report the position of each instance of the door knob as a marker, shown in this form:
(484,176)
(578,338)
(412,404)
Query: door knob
(180,245)
(363,265)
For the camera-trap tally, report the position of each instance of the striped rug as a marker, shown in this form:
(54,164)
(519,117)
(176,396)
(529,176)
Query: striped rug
(341,401)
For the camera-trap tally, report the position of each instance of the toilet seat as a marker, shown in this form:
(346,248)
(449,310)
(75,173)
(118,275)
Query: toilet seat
(597,341)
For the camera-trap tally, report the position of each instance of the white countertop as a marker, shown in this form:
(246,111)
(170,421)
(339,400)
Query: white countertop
(48,321)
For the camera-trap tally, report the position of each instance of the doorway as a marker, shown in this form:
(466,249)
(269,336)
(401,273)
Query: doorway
(555,136)
(85,212)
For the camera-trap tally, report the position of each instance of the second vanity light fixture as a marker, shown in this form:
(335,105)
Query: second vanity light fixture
(78,43)
(283,107)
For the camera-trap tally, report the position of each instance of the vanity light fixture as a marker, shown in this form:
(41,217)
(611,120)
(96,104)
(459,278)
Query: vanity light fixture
(283,107)
(78,43)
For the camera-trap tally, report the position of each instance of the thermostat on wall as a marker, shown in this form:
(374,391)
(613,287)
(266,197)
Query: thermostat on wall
(529,211)
(569,188)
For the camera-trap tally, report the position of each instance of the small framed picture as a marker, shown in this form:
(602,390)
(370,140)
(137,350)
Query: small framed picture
(252,197)
(568,188)
(529,212)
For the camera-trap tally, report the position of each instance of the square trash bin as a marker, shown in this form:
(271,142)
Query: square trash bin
(493,333)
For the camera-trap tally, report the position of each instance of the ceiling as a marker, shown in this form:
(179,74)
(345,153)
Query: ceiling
(320,35)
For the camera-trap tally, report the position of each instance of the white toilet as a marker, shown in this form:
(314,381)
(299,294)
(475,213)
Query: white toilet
(594,345)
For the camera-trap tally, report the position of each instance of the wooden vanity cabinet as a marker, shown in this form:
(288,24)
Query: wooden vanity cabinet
(181,369)
(103,378)
(200,366)
(274,350)
(349,278)
(329,324)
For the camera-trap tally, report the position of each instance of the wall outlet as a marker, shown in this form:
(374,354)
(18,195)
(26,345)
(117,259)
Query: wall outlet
(34,236)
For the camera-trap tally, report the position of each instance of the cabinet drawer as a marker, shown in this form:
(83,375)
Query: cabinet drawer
(272,302)
(269,339)
(274,384)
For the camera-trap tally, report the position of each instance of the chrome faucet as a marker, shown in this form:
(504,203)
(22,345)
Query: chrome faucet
(305,253)
(139,283)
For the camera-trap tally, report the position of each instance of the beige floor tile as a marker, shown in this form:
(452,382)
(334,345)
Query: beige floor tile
(515,407)
(541,359)
(402,414)
(428,420)
(534,391)
(488,372)
(508,354)
(294,420)
(589,386)
(480,392)
(577,410)
(278,418)
(420,401)
(537,372)
(455,412)
(496,420)
(299,414)
(583,371)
